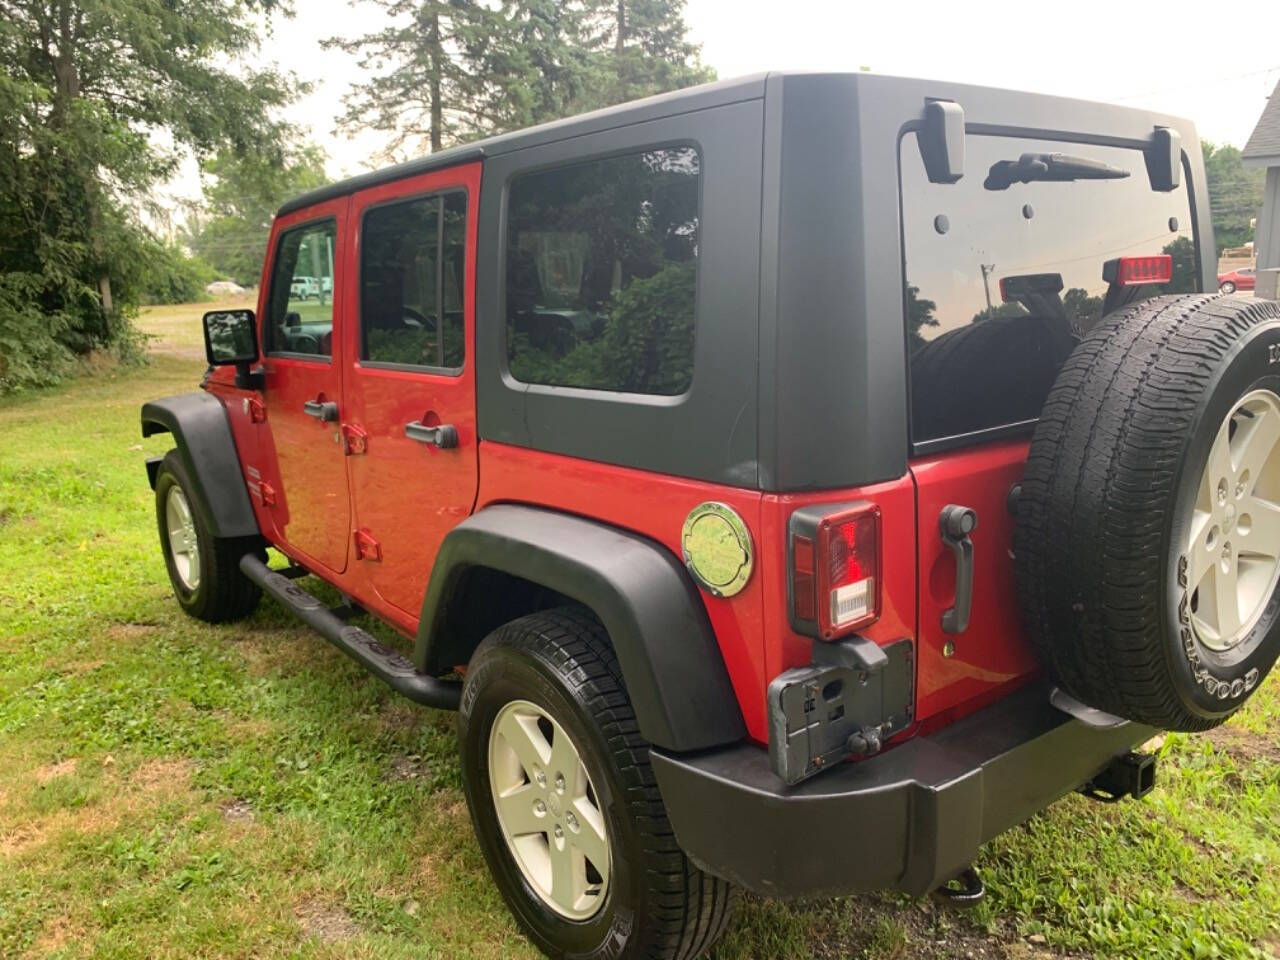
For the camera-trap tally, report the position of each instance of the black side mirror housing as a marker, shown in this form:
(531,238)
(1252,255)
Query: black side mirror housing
(231,338)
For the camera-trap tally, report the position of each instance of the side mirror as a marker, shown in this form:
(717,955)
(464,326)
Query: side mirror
(230,337)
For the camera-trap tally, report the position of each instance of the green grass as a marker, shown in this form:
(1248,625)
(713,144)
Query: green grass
(169,789)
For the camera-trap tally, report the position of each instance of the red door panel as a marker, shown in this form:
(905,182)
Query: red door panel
(303,480)
(408,493)
(993,652)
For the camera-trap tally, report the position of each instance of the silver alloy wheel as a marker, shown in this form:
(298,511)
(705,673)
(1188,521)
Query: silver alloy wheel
(548,810)
(183,545)
(1233,549)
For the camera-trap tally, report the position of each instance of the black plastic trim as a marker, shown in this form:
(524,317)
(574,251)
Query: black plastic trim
(670,660)
(390,666)
(202,432)
(910,818)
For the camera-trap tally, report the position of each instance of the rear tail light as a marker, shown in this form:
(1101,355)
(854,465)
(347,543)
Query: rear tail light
(834,554)
(1138,271)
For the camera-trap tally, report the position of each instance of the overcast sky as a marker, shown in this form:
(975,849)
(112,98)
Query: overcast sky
(1213,63)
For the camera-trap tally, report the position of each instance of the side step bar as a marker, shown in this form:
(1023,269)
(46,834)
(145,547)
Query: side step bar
(389,666)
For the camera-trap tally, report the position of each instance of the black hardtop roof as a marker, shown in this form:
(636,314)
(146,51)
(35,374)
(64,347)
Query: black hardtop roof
(703,97)
(636,111)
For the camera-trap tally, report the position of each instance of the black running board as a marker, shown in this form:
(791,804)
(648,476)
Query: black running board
(389,666)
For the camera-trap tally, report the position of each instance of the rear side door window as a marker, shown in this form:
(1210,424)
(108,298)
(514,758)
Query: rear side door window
(1003,276)
(300,313)
(412,269)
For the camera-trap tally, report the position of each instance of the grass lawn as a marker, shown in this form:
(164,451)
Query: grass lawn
(169,789)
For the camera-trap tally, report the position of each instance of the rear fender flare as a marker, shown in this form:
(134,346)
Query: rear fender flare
(202,434)
(670,660)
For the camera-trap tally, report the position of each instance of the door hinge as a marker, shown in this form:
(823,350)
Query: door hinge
(367,548)
(255,409)
(354,439)
(268,494)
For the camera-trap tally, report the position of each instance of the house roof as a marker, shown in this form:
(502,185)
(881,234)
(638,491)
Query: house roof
(1263,148)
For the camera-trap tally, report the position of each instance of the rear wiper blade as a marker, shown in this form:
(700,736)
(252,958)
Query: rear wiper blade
(1059,167)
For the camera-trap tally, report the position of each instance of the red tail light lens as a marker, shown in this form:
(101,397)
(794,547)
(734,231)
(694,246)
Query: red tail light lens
(835,569)
(1137,271)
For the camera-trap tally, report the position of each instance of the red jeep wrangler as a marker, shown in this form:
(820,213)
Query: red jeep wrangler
(793,482)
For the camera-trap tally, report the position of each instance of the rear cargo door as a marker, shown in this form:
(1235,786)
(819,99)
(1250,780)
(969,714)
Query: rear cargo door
(1005,270)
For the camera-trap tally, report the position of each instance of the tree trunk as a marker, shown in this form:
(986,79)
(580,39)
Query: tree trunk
(620,32)
(66,90)
(436,55)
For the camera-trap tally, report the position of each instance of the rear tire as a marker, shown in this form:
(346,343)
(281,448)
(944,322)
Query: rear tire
(1227,287)
(554,675)
(1148,530)
(204,570)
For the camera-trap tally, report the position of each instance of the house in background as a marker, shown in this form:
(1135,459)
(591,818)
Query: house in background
(1263,150)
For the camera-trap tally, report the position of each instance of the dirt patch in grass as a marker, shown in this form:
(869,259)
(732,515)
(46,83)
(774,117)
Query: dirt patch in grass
(407,767)
(399,715)
(130,632)
(1244,745)
(49,771)
(327,922)
(238,811)
(279,653)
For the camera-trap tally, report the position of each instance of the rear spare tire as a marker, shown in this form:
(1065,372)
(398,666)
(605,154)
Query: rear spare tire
(1148,524)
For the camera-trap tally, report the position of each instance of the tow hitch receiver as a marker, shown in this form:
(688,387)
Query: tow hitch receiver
(1128,775)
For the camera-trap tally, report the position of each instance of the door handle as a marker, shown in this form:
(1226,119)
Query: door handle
(326,411)
(445,436)
(955,524)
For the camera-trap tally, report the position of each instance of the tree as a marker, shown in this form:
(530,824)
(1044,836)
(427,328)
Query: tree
(88,91)
(1235,194)
(647,46)
(447,71)
(425,90)
(242,194)
(920,314)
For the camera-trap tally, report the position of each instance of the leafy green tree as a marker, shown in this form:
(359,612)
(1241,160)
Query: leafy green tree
(1185,277)
(646,48)
(920,314)
(426,86)
(448,71)
(89,92)
(1235,194)
(242,194)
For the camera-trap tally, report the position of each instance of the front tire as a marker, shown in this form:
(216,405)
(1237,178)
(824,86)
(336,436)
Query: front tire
(204,570)
(564,802)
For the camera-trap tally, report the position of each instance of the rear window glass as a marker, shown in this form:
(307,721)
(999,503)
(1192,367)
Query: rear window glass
(601,273)
(1003,277)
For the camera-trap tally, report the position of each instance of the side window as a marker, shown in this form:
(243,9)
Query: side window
(412,273)
(300,316)
(602,273)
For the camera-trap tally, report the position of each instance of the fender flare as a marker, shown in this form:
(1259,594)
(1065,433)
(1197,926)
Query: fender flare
(202,432)
(670,660)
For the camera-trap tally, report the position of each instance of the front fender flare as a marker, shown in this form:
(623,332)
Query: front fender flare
(200,428)
(668,653)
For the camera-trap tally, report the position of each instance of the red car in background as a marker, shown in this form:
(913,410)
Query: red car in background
(1243,279)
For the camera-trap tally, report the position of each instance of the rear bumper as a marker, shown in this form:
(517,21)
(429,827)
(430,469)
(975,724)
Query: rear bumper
(908,819)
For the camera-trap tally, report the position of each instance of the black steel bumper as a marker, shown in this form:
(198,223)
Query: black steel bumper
(908,819)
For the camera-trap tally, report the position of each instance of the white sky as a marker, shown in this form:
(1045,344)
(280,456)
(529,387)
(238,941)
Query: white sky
(1215,64)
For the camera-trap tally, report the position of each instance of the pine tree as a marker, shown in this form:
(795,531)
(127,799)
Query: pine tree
(646,48)
(427,89)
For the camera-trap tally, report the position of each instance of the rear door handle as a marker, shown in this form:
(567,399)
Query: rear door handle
(955,523)
(445,436)
(326,411)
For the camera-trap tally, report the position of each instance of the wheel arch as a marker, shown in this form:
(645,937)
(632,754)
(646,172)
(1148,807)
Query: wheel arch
(198,423)
(529,558)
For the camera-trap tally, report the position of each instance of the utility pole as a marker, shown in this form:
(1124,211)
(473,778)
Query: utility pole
(987,270)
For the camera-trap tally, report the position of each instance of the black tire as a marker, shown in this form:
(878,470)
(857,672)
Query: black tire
(657,904)
(222,593)
(1002,367)
(1227,287)
(1106,503)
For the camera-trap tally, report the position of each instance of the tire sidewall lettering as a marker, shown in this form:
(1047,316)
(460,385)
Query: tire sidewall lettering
(1220,681)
